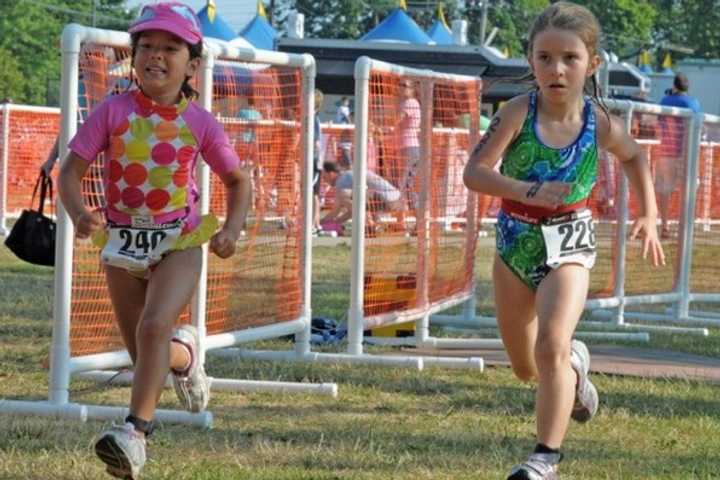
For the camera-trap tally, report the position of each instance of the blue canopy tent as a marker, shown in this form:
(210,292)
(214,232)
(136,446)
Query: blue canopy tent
(214,26)
(398,27)
(260,33)
(439,32)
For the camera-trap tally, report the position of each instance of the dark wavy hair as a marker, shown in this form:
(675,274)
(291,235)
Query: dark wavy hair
(195,50)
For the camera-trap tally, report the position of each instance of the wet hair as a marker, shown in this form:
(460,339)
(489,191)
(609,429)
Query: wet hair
(580,21)
(195,50)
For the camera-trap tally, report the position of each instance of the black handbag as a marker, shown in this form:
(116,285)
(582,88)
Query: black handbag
(32,238)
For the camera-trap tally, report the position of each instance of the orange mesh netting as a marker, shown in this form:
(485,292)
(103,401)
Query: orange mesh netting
(664,139)
(416,229)
(103,71)
(704,274)
(30,136)
(261,110)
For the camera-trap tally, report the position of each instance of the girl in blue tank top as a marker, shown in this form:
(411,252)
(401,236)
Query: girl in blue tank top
(549,140)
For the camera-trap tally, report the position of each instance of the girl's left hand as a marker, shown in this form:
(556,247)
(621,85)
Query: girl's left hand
(646,228)
(223,243)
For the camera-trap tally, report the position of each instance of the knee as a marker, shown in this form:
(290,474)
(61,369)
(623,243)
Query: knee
(154,327)
(551,353)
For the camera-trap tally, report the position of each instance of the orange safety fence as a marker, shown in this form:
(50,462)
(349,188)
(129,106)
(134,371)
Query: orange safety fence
(103,71)
(261,108)
(419,247)
(704,274)
(26,143)
(261,111)
(664,139)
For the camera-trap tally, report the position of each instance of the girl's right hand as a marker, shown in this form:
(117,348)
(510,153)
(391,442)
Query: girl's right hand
(88,223)
(546,194)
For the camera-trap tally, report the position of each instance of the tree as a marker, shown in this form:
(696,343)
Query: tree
(351,19)
(627,24)
(688,24)
(11,78)
(31,35)
(512,18)
(342,19)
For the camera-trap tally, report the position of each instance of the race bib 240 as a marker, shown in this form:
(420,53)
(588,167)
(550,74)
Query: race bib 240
(134,248)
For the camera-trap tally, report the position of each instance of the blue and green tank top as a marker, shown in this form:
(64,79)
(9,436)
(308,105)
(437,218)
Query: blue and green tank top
(529,159)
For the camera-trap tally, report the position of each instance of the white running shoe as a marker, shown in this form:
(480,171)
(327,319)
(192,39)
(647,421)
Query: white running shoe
(538,466)
(586,395)
(122,449)
(191,386)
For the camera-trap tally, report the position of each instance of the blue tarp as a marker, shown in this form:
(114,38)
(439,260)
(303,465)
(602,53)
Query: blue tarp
(440,33)
(398,27)
(260,33)
(218,28)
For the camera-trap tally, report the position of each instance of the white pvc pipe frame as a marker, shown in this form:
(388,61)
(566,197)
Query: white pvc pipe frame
(7,109)
(356,319)
(62,365)
(681,296)
(356,322)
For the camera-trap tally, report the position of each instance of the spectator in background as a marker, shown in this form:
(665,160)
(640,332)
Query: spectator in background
(345,144)
(408,130)
(248,113)
(317,161)
(382,196)
(343,115)
(673,146)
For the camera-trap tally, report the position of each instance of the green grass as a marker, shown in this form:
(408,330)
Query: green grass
(387,422)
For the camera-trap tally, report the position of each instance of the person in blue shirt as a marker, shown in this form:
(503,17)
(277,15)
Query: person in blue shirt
(678,96)
(673,147)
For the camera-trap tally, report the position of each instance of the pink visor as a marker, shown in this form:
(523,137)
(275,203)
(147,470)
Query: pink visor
(172,17)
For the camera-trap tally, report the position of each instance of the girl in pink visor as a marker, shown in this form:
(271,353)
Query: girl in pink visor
(150,231)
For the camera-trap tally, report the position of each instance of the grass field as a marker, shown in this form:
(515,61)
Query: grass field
(388,423)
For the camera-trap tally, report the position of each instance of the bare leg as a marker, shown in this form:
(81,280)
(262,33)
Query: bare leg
(560,300)
(515,309)
(127,294)
(169,290)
